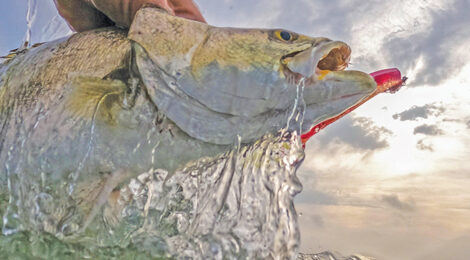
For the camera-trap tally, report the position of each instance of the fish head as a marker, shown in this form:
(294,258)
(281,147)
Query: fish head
(221,84)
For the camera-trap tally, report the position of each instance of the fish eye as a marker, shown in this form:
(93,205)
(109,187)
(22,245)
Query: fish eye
(284,35)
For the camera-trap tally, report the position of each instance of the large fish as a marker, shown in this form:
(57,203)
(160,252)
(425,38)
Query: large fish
(80,115)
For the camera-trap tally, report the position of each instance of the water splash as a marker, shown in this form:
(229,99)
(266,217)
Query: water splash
(55,29)
(330,256)
(296,117)
(30,18)
(237,204)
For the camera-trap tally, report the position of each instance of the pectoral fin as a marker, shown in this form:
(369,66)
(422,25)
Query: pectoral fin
(93,97)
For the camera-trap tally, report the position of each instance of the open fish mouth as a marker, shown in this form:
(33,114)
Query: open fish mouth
(314,63)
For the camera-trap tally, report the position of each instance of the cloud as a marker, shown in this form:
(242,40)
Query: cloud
(322,18)
(421,145)
(454,249)
(451,120)
(359,133)
(318,220)
(440,48)
(468,124)
(315,197)
(238,13)
(428,130)
(420,112)
(319,18)
(395,202)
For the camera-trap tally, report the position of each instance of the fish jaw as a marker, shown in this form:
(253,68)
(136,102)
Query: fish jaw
(334,94)
(388,80)
(329,90)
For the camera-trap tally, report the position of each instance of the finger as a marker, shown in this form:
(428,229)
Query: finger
(187,9)
(81,16)
(122,12)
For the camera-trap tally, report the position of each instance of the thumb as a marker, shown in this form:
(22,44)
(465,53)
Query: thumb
(187,9)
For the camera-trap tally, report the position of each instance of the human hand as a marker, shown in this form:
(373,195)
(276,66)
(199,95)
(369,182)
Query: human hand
(83,15)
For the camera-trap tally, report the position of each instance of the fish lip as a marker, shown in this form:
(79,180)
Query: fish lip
(335,56)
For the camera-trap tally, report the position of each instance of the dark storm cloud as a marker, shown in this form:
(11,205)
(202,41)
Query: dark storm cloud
(395,202)
(421,145)
(428,130)
(435,47)
(359,133)
(420,112)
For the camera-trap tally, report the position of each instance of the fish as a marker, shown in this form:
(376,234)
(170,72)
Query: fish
(82,115)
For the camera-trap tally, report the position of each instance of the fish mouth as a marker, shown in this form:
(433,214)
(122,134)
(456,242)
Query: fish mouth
(330,91)
(314,63)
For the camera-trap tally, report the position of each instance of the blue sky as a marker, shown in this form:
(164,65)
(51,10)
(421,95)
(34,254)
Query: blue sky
(392,179)
(47,24)
(11,30)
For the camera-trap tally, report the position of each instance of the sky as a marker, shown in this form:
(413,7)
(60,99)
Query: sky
(392,179)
